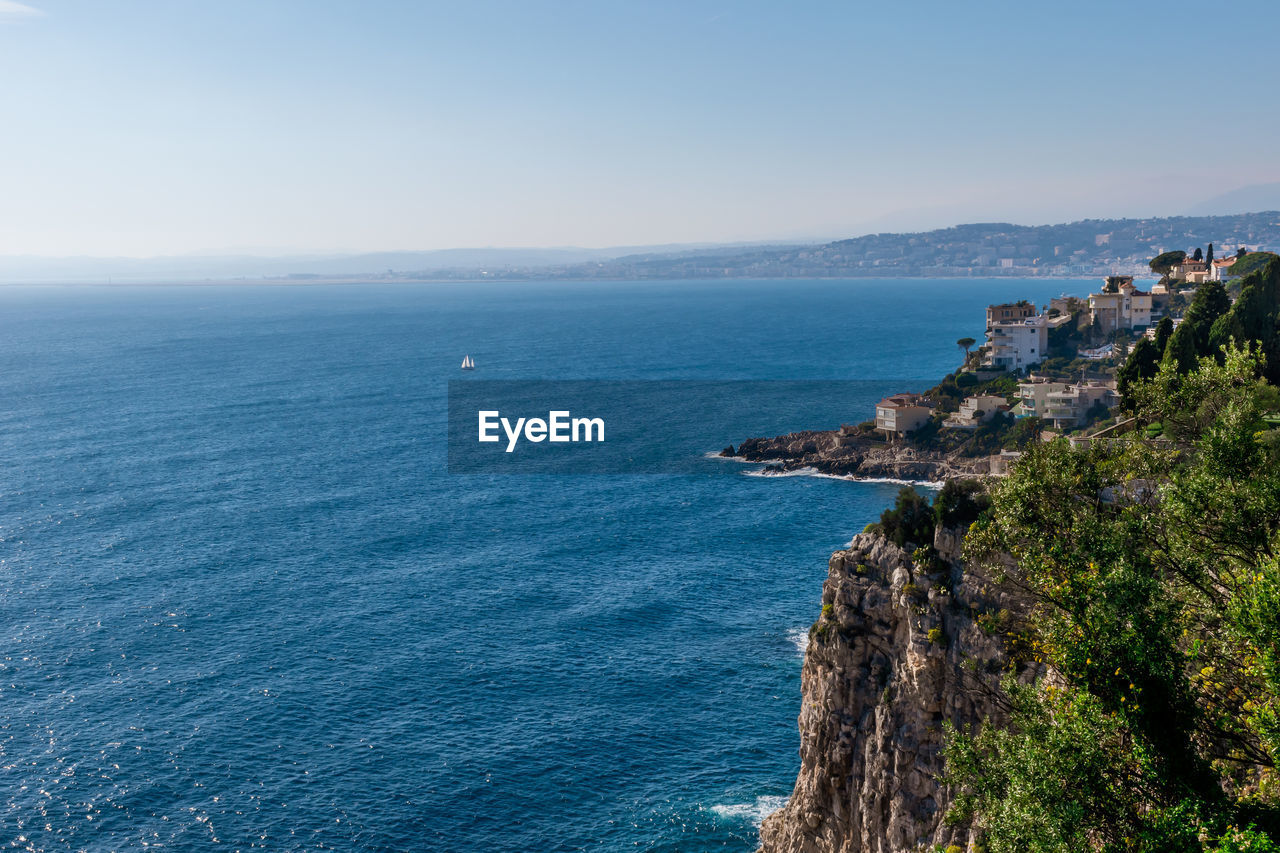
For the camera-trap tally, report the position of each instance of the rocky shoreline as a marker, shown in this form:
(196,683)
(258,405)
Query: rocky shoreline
(841,453)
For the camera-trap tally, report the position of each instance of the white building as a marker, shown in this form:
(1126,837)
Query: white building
(1222,267)
(1017,344)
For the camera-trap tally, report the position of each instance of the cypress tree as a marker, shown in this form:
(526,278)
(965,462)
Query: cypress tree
(1181,351)
(1210,303)
(1141,365)
(1164,329)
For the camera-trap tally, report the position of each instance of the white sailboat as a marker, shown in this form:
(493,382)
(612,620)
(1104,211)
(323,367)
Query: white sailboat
(467,363)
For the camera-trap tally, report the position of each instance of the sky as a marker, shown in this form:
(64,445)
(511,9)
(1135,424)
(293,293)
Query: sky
(168,127)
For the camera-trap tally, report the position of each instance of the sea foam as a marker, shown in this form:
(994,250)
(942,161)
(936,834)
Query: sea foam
(755,812)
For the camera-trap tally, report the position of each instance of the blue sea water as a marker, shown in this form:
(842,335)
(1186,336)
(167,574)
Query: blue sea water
(243,605)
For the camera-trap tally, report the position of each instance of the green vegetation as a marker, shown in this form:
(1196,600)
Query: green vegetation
(1142,364)
(1252,261)
(1210,303)
(960,503)
(910,522)
(1253,317)
(1000,431)
(1154,575)
(1163,264)
(1164,331)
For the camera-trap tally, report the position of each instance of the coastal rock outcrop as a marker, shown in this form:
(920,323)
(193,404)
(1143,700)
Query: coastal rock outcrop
(899,649)
(840,453)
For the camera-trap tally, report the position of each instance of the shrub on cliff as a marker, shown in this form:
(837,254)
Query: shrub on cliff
(910,521)
(960,503)
(1155,572)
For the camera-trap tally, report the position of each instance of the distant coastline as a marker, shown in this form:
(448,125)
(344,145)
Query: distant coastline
(1085,249)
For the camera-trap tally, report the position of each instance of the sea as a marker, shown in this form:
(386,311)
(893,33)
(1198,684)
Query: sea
(245,605)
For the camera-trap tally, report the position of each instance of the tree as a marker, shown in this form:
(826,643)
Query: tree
(1164,329)
(1198,256)
(1210,303)
(1142,364)
(1180,355)
(910,521)
(1164,263)
(964,344)
(1159,619)
(1208,258)
(1251,261)
(960,503)
(1252,318)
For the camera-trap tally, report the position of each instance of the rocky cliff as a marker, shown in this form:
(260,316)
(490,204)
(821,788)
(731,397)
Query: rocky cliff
(899,648)
(837,452)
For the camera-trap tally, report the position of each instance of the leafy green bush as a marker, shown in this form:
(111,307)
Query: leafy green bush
(1160,621)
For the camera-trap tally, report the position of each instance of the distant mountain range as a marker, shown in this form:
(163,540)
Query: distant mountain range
(1085,248)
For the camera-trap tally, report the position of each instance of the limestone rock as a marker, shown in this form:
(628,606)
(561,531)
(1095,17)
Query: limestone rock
(895,654)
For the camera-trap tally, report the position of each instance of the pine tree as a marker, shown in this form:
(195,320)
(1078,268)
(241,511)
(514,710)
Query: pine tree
(1208,259)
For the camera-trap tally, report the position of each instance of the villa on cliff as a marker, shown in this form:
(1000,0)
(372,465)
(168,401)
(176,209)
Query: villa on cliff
(977,410)
(1222,269)
(1190,271)
(899,414)
(1016,344)
(1120,305)
(1063,404)
(1009,312)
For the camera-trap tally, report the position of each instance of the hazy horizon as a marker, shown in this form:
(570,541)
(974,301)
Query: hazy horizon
(182,129)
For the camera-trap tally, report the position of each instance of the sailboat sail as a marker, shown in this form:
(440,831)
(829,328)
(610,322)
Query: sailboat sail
(467,363)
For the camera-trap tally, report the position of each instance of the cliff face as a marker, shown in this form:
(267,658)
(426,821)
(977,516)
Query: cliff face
(895,653)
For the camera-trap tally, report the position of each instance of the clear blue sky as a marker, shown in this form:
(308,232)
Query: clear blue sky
(165,126)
